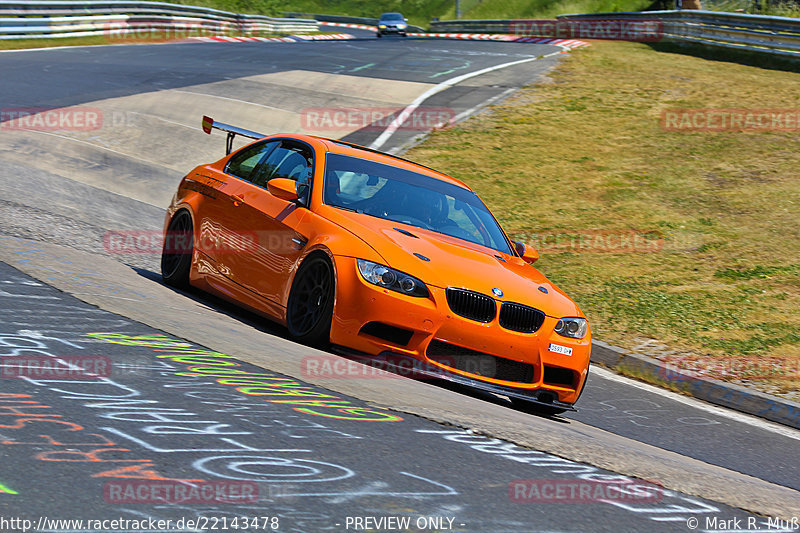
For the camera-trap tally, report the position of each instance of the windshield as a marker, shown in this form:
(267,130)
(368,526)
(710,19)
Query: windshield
(391,16)
(400,195)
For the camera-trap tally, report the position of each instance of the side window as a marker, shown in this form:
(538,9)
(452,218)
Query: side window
(287,161)
(243,162)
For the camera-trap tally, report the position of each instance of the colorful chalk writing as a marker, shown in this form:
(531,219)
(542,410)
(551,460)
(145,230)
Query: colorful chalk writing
(5,490)
(222,368)
(103,451)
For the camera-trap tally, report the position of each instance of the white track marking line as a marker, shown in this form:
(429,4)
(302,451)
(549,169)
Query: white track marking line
(226,98)
(129,156)
(461,116)
(489,101)
(403,116)
(194,128)
(698,404)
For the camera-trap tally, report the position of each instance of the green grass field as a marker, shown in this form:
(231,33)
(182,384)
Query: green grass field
(710,271)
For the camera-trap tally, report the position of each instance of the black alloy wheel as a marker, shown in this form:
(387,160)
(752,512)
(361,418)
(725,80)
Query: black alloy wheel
(176,254)
(310,307)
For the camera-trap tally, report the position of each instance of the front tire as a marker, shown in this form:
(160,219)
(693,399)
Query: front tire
(379,35)
(176,254)
(309,311)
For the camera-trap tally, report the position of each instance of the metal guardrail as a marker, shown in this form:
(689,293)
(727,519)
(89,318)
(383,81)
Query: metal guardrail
(340,19)
(334,18)
(756,33)
(472,26)
(48,19)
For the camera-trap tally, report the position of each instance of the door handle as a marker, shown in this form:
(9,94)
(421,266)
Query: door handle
(237,199)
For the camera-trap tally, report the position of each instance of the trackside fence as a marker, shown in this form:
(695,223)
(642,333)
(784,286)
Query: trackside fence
(48,19)
(756,33)
(341,19)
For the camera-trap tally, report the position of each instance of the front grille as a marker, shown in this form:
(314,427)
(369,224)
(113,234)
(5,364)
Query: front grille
(479,363)
(517,317)
(555,375)
(472,305)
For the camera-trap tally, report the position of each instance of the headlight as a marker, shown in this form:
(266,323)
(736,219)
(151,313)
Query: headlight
(382,26)
(392,279)
(402,26)
(572,327)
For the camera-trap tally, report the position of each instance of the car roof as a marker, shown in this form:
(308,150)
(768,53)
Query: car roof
(391,13)
(347,148)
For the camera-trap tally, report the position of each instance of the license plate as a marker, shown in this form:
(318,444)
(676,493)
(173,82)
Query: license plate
(564,350)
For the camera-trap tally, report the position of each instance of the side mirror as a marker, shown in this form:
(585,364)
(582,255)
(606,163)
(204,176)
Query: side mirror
(283,188)
(527,253)
(303,192)
(405,20)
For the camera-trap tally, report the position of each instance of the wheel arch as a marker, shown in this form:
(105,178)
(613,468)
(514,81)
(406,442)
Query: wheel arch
(318,252)
(311,252)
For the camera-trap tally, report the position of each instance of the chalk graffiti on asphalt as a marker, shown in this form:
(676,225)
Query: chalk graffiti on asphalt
(223,369)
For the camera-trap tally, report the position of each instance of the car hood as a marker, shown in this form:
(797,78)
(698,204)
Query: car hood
(456,263)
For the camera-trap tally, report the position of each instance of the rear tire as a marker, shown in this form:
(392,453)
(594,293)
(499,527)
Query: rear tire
(176,255)
(309,311)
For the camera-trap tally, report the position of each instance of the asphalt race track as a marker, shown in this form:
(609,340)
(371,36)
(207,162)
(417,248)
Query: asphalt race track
(152,416)
(402,448)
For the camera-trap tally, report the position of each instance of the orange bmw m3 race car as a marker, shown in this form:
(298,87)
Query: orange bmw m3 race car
(353,248)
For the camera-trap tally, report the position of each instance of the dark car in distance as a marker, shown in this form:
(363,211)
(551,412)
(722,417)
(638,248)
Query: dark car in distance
(392,23)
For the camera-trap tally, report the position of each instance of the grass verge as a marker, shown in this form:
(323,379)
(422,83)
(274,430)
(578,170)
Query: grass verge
(582,168)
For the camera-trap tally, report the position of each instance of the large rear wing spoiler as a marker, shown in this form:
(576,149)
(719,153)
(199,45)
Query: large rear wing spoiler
(209,124)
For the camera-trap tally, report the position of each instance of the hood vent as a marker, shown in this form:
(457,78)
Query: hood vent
(406,232)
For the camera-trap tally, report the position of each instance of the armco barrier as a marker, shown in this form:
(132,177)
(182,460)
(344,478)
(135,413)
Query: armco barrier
(756,33)
(340,19)
(46,19)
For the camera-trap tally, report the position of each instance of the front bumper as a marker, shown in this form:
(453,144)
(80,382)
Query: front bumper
(377,321)
(393,29)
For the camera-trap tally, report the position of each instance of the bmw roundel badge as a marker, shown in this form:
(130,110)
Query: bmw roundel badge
(497,292)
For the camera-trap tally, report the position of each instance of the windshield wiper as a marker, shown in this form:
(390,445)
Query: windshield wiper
(359,211)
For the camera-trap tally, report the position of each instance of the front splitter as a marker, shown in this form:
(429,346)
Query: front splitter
(410,367)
